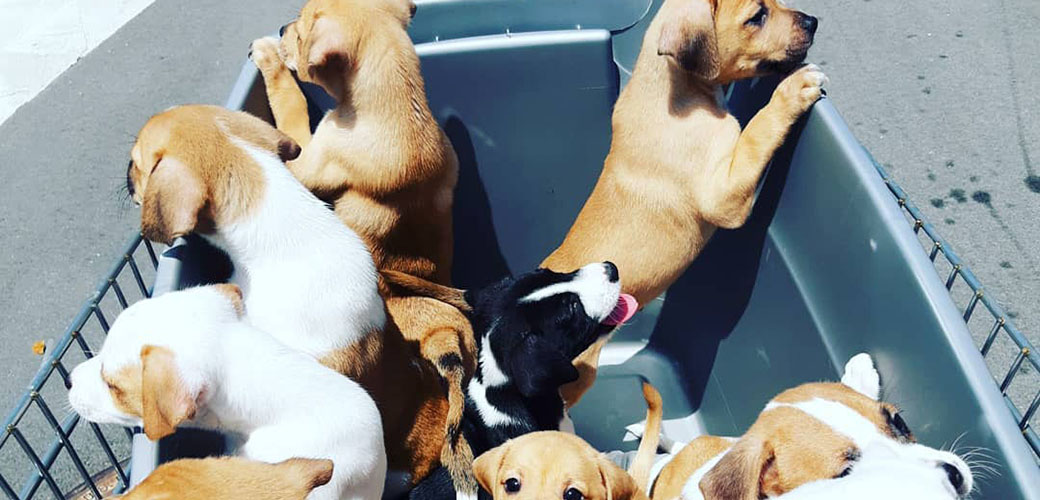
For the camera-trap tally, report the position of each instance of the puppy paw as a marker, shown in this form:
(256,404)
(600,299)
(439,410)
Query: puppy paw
(264,54)
(861,376)
(801,89)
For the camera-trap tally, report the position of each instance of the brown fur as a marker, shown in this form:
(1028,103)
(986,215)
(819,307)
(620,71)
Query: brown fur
(679,165)
(380,158)
(229,478)
(548,463)
(783,449)
(189,177)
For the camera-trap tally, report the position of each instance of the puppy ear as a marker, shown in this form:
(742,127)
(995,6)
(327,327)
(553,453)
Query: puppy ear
(328,56)
(310,472)
(537,368)
(423,288)
(688,38)
(743,473)
(165,401)
(486,466)
(173,200)
(618,483)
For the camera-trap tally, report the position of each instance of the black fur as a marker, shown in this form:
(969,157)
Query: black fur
(533,344)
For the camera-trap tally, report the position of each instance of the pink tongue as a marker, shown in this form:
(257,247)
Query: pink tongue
(624,310)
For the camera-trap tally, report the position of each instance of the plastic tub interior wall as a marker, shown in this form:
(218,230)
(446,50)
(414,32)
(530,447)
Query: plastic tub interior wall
(826,266)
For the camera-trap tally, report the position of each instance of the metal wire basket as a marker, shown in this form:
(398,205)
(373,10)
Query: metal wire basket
(44,454)
(47,451)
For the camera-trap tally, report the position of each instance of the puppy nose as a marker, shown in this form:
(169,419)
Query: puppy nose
(954,475)
(809,23)
(281,31)
(612,271)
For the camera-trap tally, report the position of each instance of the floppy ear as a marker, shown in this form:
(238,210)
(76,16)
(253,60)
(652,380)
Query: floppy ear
(619,484)
(165,401)
(311,472)
(173,200)
(688,38)
(743,473)
(486,466)
(418,286)
(328,56)
(538,368)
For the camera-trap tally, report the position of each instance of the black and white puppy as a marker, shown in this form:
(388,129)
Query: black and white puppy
(528,330)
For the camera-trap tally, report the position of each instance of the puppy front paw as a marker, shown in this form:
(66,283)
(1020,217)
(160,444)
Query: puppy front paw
(264,54)
(861,376)
(801,89)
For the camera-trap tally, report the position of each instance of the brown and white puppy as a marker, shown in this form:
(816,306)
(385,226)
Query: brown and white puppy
(679,165)
(560,465)
(308,279)
(813,432)
(230,478)
(379,157)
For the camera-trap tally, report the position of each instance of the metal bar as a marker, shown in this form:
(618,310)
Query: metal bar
(108,451)
(992,336)
(119,292)
(1013,371)
(100,317)
(935,251)
(1022,424)
(971,305)
(43,471)
(6,488)
(64,438)
(65,375)
(137,275)
(953,276)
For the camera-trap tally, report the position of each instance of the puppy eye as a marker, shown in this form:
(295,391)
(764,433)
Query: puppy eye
(572,494)
(759,18)
(512,485)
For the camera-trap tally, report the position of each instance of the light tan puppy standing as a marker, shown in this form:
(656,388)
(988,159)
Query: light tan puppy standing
(560,465)
(382,160)
(229,478)
(679,165)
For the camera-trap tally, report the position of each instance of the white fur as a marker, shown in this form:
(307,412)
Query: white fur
(861,376)
(488,413)
(281,402)
(307,278)
(491,374)
(597,293)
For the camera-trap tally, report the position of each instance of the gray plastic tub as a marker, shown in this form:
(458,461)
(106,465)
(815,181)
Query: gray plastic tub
(826,267)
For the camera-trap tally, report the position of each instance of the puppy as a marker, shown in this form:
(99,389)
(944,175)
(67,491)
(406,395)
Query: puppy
(229,478)
(679,165)
(308,279)
(528,331)
(551,464)
(188,358)
(380,159)
(380,156)
(813,432)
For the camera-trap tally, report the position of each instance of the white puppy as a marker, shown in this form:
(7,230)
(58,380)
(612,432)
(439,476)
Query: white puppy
(187,358)
(892,473)
(308,279)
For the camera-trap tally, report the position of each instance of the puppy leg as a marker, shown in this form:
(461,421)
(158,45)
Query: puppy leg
(287,102)
(731,191)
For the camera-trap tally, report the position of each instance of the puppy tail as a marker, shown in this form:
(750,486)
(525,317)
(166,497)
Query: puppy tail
(640,468)
(456,455)
(423,288)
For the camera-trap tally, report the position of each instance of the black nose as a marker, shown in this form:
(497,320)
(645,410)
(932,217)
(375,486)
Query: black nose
(954,475)
(808,23)
(612,272)
(281,31)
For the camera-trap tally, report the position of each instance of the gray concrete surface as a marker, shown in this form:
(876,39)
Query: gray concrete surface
(940,91)
(63,156)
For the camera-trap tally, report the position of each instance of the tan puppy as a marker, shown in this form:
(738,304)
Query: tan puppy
(229,478)
(211,171)
(679,165)
(812,432)
(380,158)
(552,464)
